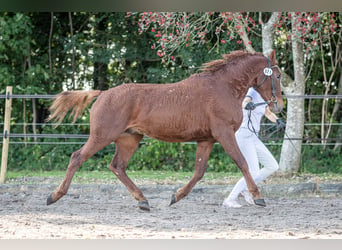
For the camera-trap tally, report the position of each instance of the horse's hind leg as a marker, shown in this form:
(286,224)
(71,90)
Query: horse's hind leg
(202,155)
(77,158)
(126,145)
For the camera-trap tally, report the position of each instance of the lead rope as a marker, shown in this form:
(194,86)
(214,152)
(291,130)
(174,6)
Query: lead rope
(249,123)
(300,156)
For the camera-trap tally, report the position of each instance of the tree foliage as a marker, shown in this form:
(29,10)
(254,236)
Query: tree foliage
(46,53)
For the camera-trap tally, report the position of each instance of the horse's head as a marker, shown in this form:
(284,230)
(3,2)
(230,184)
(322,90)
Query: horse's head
(267,83)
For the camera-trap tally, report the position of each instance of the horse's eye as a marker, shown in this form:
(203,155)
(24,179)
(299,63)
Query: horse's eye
(278,76)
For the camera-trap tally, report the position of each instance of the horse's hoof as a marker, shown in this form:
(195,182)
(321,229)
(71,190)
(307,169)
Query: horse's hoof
(260,202)
(173,199)
(50,200)
(143,205)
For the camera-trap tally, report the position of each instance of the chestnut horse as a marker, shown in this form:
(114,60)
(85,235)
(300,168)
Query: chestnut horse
(205,108)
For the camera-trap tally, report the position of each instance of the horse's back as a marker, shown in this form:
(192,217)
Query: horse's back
(169,112)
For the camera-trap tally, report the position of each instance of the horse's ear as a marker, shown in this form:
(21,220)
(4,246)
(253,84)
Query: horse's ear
(273,56)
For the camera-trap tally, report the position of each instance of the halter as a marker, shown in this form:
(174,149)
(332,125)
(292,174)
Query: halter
(268,72)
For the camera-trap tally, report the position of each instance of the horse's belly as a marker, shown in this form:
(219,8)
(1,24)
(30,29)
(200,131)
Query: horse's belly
(172,134)
(180,138)
(173,124)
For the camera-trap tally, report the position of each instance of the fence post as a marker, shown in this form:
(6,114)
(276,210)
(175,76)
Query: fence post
(5,143)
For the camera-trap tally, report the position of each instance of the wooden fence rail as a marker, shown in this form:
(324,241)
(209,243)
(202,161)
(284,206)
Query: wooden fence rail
(4,156)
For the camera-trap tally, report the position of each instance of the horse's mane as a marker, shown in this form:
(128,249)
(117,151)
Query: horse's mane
(218,64)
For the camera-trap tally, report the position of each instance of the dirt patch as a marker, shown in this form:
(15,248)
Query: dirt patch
(95,211)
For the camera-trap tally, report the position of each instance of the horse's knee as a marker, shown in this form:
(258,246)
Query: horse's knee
(113,168)
(75,159)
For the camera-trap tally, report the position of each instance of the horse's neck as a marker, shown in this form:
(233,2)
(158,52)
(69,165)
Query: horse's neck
(253,68)
(238,88)
(244,76)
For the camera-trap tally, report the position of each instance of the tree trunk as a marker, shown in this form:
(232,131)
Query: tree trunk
(267,33)
(73,51)
(34,108)
(337,107)
(335,62)
(290,154)
(290,159)
(50,41)
(100,65)
(243,35)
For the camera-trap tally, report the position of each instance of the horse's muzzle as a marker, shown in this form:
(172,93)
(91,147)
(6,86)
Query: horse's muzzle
(277,107)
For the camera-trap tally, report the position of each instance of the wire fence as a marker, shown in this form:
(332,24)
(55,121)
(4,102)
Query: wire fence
(46,96)
(72,136)
(81,138)
(69,139)
(23,96)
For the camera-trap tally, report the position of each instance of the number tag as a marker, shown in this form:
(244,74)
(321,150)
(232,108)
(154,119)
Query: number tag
(268,71)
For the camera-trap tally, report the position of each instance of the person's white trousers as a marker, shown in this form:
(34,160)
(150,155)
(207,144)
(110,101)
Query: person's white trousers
(255,152)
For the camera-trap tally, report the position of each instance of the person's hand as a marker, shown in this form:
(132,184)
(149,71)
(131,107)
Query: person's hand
(250,106)
(280,123)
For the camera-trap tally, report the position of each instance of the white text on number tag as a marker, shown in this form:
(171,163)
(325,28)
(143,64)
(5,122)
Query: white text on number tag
(268,71)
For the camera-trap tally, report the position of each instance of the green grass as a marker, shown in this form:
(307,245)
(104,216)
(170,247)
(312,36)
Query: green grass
(143,176)
(159,177)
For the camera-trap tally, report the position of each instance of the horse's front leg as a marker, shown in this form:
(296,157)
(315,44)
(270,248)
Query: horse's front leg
(202,156)
(226,137)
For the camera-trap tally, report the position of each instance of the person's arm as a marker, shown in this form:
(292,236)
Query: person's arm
(273,118)
(270,115)
(246,100)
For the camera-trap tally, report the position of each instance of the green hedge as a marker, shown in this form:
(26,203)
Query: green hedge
(318,160)
(157,155)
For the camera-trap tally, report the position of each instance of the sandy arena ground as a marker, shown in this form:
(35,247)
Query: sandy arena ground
(96,211)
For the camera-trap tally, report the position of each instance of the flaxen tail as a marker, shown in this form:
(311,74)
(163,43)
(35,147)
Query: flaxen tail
(77,100)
